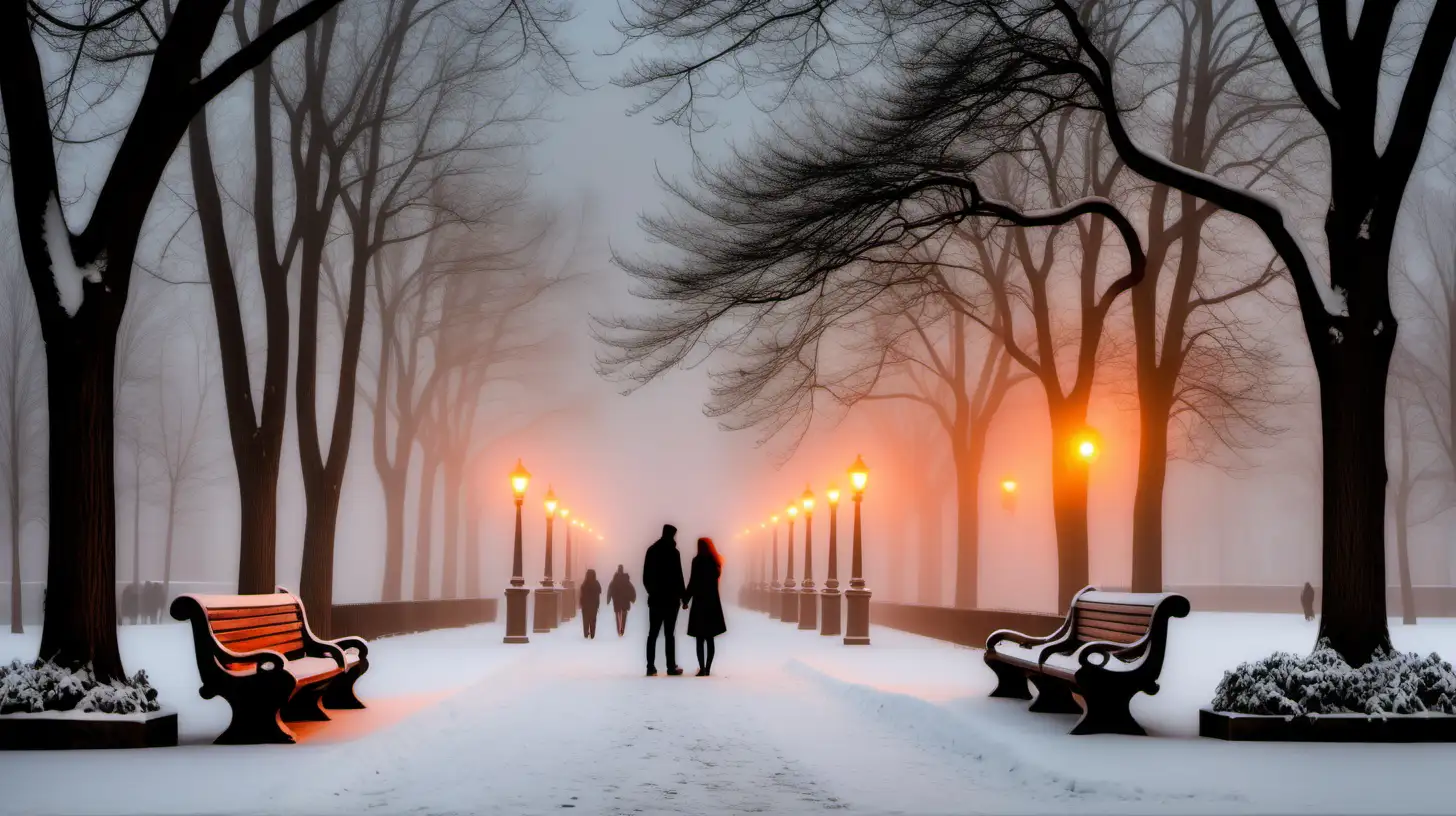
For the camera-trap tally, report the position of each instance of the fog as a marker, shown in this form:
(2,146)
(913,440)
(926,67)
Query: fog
(577,173)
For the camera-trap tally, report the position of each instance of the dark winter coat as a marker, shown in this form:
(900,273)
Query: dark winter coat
(590,593)
(620,592)
(662,574)
(706,618)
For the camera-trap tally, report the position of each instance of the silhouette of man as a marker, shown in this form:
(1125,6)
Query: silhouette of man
(662,578)
(1306,599)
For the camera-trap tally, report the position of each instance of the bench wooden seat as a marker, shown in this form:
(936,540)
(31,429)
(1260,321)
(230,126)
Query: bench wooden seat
(257,652)
(1108,648)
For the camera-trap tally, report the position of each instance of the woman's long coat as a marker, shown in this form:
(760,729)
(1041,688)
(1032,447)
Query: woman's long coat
(706,618)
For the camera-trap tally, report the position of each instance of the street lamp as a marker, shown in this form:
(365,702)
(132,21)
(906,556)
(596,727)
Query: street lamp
(774,608)
(829,619)
(547,596)
(1008,494)
(808,598)
(858,630)
(568,586)
(789,598)
(1086,446)
(516,593)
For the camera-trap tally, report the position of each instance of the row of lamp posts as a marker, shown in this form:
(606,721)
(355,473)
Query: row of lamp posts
(554,604)
(802,604)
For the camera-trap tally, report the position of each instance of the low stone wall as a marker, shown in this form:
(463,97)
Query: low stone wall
(375,620)
(968,627)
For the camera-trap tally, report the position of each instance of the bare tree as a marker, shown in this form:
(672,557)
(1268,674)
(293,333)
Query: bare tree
(21,400)
(178,441)
(992,66)
(417,119)
(255,413)
(81,281)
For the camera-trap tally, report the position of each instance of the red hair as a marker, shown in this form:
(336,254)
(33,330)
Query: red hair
(706,547)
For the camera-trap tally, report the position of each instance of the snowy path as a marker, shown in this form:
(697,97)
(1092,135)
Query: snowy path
(790,723)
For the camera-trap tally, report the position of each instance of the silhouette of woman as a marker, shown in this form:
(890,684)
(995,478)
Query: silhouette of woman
(705,622)
(621,595)
(591,600)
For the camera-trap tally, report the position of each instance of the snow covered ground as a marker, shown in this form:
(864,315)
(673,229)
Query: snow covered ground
(790,723)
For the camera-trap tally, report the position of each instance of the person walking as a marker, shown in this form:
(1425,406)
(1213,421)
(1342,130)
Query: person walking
(621,595)
(662,578)
(705,621)
(590,593)
(1306,600)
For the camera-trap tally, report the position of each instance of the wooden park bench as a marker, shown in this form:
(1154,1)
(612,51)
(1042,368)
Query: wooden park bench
(257,652)
(1109,648)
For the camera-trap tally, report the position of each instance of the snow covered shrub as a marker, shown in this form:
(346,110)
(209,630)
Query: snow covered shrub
(1323,683)
(44,686)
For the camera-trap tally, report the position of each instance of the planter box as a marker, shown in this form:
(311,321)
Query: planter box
(77,730)
(1327,727)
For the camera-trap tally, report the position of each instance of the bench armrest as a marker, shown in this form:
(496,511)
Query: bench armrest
(356,643)
(1097,654)
(262,660)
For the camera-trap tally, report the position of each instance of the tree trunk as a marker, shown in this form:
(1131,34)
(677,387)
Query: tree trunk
(257,442)
(968,526)
(167,558)
(473,577)
(80,620)
(394,501)
(17,626)
(429,467)
(316,581)
(1353,365)
(136,538)
(451,576)
(1402,550)
(932,530)
(1069,498)
(258,548)
(1147,503)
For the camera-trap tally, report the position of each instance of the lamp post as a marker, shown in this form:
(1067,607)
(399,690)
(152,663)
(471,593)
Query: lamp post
(568,586)
(857,632)
(760,587)
(789,597)
(516,593)
(808,598)
(547,596)
(829,616)
(775,587)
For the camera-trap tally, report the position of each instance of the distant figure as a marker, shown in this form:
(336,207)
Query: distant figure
(591,600)
(705,622)
(662,578)
(621,595)
(1306,599)
(131,603)
(154,597)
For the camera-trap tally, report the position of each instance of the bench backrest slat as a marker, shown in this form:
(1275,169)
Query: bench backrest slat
(1115,622)
(244,625)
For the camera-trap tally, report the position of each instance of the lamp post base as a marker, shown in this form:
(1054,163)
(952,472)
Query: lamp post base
(516,614)
(771,603)
(568,600)
(808,607)
(831,615)
(546,615)
(789,604)
(857,629)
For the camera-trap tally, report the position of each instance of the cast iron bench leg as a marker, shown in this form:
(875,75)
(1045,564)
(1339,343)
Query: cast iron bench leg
(304,706)
(1010,680)
(1108,712)
(340,693)
(1053,696)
